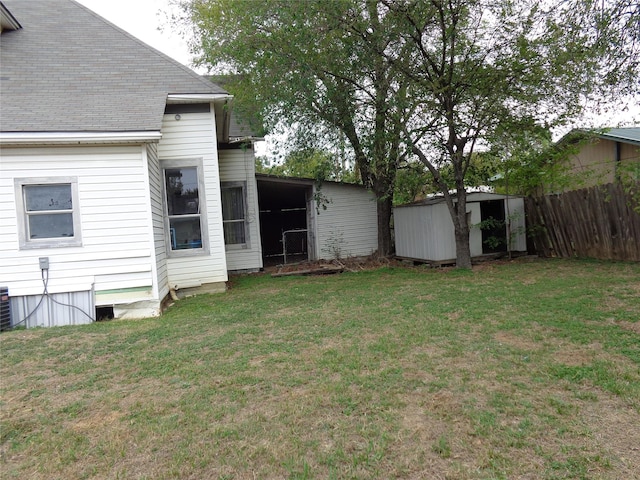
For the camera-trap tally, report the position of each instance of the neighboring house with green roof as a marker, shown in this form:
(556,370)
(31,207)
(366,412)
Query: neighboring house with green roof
(606,156)
(121,181)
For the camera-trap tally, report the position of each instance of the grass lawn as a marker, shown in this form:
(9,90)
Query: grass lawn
(514,370)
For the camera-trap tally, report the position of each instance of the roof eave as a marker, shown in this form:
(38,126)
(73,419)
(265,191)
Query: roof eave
(74,138)
(619,138)
(196,97)
(604,134)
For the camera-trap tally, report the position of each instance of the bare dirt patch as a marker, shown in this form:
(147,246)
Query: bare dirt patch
(516,341)
(630,326)
(577,355)
(97,420)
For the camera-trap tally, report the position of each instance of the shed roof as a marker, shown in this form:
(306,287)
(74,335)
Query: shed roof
(69,70)
(472,197)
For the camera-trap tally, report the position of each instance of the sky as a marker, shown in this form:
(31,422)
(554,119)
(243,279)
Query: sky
(146,20)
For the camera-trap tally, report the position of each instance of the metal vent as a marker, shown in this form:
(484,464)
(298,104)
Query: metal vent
(5,309)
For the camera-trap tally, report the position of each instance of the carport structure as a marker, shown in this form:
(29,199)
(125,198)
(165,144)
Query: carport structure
(304,219)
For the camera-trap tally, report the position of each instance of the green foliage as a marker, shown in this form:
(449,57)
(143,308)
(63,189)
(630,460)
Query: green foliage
(309,163)
(492,224)
(442,447)
(530,163)
(628,174)
(483,167)
(496,225)
(413,182)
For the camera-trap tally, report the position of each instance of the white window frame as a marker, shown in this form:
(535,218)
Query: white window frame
(24,240)
(204,231)
(247,244)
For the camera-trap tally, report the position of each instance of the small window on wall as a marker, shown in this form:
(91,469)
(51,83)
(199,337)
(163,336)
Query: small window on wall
(234,216)
(48,213)
(184,207)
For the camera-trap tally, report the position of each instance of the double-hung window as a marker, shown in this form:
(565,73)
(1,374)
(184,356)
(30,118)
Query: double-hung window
(185,218)
(234,214)
(48,214)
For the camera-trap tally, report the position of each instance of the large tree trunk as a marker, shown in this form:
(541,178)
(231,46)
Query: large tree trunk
(381,185)
(382,188)
(457,206)
(385,205)
(461,228)
(463,250)
(458,211)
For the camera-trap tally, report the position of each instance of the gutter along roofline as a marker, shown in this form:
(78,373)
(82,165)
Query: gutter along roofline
(66,138)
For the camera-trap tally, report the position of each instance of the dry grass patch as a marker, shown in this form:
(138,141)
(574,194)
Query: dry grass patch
(517,341)
(615,428)
(632,327)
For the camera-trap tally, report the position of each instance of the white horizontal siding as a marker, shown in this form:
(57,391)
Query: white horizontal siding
(238,165)
(107,255)
(194,137)
(157,219)
(109,282)
(87,269)
(426,232)
(349,224)
(114,215)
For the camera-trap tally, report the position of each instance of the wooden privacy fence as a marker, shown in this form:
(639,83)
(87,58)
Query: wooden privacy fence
(597,222)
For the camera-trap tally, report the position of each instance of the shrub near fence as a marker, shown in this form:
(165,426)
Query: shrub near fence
(597,222)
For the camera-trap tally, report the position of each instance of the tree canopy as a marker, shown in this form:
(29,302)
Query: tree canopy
(421,80)
(308,163)
(304,62)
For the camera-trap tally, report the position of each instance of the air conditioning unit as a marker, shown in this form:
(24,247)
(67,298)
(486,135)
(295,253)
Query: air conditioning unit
(5,310)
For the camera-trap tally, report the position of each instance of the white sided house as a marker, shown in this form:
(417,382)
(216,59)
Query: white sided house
(424,230)
(120,179)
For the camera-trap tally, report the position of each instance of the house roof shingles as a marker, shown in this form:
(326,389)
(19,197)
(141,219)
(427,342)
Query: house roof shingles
(69,70)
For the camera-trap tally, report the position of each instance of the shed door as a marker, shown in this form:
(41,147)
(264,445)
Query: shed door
(494,231)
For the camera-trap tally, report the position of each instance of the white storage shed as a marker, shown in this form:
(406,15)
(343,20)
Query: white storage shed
(424,230)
